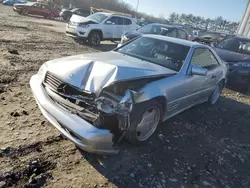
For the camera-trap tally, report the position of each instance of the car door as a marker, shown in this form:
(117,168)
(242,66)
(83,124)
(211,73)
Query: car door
(190,85)
(110,28)
(204,58)
(35,9)
(46,10)
(125,25)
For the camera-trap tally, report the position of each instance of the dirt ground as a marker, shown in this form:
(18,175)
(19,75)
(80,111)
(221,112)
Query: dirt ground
(202,147)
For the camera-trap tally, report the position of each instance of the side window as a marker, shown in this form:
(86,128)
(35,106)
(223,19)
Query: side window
(114,20)
(182,34)
(44,6)
(77,12)
(81,12)
(171,33)
(120,21)
(204,58)
(126,21)
(37,5)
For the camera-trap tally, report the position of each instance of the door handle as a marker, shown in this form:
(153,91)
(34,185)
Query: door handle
(213,76)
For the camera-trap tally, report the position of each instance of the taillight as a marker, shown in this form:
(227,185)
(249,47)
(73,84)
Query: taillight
(220,38)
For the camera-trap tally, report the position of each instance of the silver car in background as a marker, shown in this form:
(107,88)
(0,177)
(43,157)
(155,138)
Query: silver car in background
(97,99)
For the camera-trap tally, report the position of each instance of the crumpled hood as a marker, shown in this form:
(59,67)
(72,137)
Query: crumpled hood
(92,72)
(80,19)
(230,56)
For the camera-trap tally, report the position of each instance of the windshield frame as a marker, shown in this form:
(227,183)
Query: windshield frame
(148,60)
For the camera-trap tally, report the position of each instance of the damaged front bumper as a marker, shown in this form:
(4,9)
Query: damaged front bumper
(76,129)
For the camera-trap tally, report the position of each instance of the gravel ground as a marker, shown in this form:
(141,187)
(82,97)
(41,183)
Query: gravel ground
(202,147)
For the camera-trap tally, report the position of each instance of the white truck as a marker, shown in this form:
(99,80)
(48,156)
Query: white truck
(99,26)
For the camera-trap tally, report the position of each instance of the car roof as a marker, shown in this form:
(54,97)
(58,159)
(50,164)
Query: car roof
(74,9)
(240,37)
(216,32)
(30,3)
(114,14)
(165,25)
(175,40)
(106,13)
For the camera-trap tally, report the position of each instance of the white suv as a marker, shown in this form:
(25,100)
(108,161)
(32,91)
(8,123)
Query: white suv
(99,26)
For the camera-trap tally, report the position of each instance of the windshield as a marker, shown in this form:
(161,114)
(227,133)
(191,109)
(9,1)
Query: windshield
(151,29)
(236,45)
(75,9)
(98,17)
(160,52)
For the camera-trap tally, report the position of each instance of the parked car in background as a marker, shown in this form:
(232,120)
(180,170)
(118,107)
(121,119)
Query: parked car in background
(96,99)
(211,37)
(99,26)
(157,29)
(67,13)
(236,52)
(36,8)
(12,2)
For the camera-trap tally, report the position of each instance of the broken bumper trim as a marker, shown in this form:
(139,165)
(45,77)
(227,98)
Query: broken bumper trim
(76,129)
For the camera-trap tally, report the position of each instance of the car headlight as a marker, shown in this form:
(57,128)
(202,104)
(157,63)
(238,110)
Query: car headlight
(242,64)
(42,71)
(83,25)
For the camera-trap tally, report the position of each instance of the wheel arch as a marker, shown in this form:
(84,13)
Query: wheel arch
(223,81)
(161,99)
(96,30)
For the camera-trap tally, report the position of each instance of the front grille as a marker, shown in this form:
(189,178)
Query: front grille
(52,81)
(65,89)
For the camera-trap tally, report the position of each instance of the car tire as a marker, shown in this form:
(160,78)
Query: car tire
(24,11)
(213,99)
(68,18)
(140,119)
(51,16)
(94,38)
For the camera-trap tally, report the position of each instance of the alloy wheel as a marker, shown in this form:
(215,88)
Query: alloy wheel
(148,123)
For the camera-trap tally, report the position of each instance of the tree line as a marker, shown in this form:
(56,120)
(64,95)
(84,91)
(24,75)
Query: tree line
(217,24)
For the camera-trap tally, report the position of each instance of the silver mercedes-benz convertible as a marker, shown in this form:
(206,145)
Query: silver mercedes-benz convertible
(97,99)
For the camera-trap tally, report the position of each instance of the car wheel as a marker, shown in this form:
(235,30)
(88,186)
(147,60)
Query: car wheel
(144,120)
(94,38)
(216,94)
(24,11)
(67,18)
(51,16)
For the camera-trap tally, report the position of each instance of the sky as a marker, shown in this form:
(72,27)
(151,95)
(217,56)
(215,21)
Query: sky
(232,10)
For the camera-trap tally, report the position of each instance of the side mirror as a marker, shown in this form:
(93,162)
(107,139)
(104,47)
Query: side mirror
(198,71)
(108,22)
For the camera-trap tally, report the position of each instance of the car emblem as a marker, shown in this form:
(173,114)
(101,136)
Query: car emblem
(71,75)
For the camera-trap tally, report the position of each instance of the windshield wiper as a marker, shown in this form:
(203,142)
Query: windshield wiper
(136,56)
